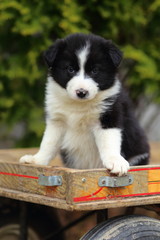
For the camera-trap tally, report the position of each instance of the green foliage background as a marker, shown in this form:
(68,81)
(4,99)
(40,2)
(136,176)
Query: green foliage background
(28,27)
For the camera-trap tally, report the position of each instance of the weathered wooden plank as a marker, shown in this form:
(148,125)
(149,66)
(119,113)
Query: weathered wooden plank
(80,189)
(23,177)
(61,204)
(78,185)
(35,198)
(85,186)
(154,180)
(116,203)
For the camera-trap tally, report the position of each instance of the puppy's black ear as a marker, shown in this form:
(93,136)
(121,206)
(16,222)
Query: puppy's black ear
(115,54)
(51,53)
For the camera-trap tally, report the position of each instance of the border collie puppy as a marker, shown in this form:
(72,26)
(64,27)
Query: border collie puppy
(88,114)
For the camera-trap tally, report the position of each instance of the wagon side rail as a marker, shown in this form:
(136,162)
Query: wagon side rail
(79,189)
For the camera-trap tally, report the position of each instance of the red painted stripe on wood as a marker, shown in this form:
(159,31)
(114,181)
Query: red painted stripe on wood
(153,182)
(18,175)
(144,169)
(90,196)
(83,199)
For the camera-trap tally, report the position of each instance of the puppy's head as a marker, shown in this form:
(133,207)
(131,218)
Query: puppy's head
(83,64)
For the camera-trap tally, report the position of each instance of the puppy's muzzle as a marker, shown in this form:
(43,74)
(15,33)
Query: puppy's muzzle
(82,93)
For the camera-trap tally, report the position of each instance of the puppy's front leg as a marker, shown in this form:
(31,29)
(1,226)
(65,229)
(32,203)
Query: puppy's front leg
(109,145)
(49,146)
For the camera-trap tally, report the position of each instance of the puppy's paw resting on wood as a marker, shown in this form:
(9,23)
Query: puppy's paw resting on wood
(117,165)
(33,159)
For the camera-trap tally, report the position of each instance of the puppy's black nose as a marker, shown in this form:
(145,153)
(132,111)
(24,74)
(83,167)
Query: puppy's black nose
(81,93)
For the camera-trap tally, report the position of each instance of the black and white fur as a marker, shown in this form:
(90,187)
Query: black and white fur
(89,117)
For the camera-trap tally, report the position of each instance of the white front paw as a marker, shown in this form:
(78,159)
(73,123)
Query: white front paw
(28,159)
(38,158)
(117,165)
(34,159)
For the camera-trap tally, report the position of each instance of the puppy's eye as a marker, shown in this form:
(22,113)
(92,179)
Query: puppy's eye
(70,69)
(95,70)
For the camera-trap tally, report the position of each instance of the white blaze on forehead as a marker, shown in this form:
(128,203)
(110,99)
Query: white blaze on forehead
(82,55)
(80,80)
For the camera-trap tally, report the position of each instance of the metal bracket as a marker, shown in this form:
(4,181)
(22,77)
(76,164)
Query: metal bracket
(49,180)
(123,181)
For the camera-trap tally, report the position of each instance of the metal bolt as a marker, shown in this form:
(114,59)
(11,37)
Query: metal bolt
(103,182)
(115,182)
(59,180)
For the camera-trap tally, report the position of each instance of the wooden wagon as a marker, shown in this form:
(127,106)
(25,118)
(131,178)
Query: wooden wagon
(84,190)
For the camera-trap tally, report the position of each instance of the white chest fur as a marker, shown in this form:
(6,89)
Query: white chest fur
(79,141)
(79,120)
